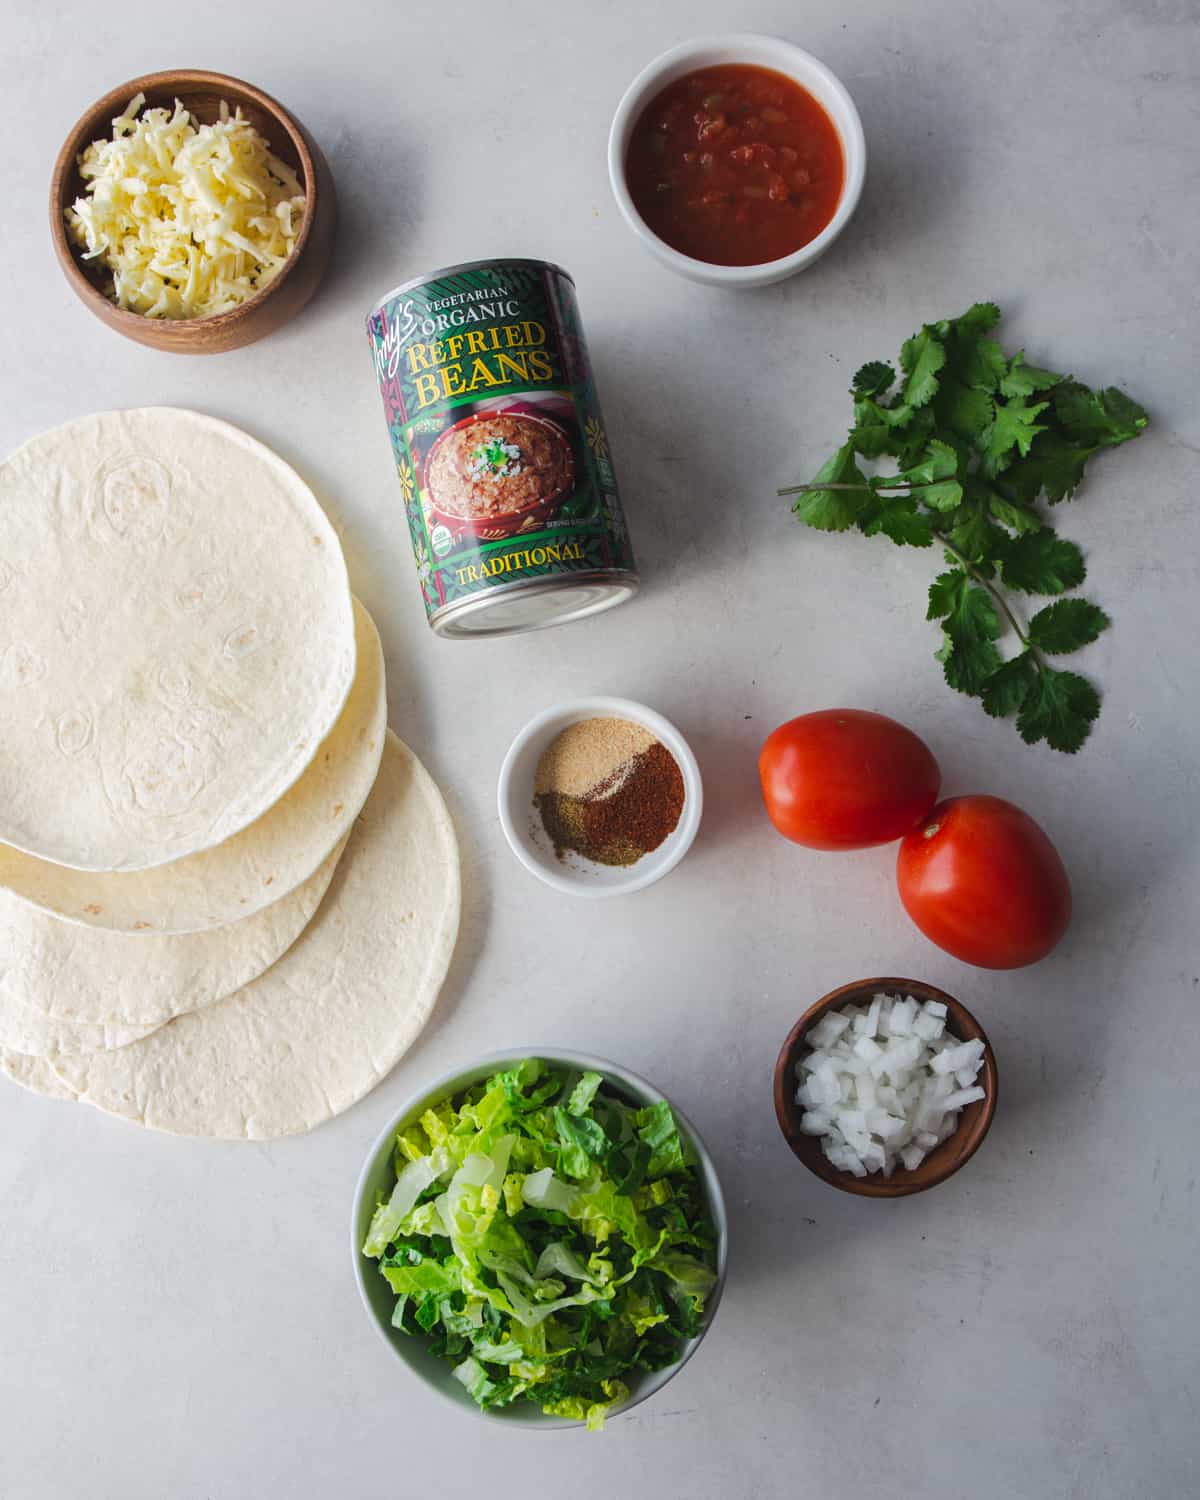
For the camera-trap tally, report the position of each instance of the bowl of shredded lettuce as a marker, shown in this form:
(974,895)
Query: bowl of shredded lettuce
(541,1237)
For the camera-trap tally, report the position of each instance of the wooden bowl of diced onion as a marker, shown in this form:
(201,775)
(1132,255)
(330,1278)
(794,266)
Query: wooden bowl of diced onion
(264,308)
(943,1160)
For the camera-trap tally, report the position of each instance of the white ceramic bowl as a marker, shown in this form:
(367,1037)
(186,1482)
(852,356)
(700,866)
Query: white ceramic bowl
(378,1175)
(763,52)
(522,823)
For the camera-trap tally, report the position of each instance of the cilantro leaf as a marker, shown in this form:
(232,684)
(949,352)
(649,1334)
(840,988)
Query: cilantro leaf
(969,626)
(1126,419)
(940,462)
(912,438)
(944,496)
(1006,689)
(979,318)
(1067,625)
(1015,425)
(974,535)
(944,592)
(983,364)
(876,427)
(1098,419)
(834,510)
(921,357)
(1041,563)
(902,521)
(1053,464)
(966,412)
(873,379)
(931,477)
(869,511)
(1059,708)
(1008,513)
(871,434)
(1021,380)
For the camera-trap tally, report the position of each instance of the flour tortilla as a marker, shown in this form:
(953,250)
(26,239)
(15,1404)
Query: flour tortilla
(176,637)
(65,987)
(331,1019)
(246,873)
(34,1074)
(32,1031)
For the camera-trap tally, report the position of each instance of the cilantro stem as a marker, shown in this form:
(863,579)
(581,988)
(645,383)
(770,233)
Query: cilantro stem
(861,489)
(976,576)
(963,560)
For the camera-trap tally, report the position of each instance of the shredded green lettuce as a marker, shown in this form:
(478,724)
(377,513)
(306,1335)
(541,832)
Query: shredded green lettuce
(547,1238)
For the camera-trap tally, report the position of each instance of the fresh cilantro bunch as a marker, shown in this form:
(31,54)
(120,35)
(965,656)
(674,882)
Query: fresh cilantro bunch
(978,438)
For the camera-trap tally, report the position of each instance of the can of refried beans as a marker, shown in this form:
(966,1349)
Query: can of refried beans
(504,467)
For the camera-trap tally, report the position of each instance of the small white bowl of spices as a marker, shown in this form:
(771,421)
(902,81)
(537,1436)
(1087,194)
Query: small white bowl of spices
(600,796)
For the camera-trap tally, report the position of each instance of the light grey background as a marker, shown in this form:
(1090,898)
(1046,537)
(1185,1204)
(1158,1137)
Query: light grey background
(178,1319)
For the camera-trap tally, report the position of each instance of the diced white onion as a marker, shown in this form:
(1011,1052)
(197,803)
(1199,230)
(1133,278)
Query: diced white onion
(878,1086)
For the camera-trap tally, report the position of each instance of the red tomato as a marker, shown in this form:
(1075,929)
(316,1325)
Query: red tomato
(846,779)
(982,881)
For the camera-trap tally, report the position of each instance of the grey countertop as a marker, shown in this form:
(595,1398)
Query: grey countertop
(178,1318)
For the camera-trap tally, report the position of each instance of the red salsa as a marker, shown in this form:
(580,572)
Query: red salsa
(735,165)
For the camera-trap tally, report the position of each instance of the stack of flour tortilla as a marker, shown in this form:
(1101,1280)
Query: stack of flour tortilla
(228,893)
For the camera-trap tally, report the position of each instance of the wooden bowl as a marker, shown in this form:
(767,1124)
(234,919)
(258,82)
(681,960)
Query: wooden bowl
(201,93)
(944,1160)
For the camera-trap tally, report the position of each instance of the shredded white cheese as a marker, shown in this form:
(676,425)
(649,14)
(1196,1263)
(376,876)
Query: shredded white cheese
(190,219)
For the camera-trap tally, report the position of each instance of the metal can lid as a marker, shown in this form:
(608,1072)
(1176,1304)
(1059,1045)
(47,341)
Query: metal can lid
(534,604)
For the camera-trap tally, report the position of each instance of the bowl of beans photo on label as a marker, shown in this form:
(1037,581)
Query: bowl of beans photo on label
(737,160)
(600,796)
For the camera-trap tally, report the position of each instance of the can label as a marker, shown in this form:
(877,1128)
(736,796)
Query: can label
(496,430)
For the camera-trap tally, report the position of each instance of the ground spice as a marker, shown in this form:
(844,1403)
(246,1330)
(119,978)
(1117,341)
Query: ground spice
(589,753)
(622,816)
